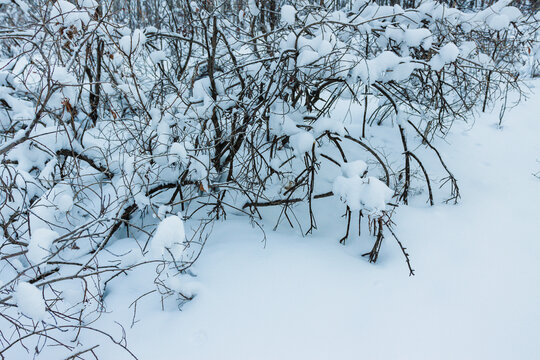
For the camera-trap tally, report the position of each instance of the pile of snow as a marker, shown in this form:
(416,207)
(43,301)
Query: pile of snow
(40,245)
(169,239)
(62,197)
(89,4)
(65,14)
(177,153)
(447,54)
(131,44)
(498,22)
(288,14)
(29,301)
(158,56)
(307,57)
(368,194)
(410,37)
(354,168)
(376,69)
(184,285)
(302,142)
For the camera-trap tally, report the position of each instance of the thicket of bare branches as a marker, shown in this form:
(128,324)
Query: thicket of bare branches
(117,116)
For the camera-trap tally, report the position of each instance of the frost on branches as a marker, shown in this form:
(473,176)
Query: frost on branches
(138,127)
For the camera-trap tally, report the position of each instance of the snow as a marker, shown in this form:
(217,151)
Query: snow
(62,75)
(29,301)
(157,56)
(253,9)
(475,294)
(40,245)
(307,57)
(178,153)
(358,4)
(417,37)
(375,69)
(498,22)
(66,14)
(288,14)
(302,142)
(169,239)
(199,167)
(62,197)
(403,71)
(131,44)
(449,53)
(354,168)
(90,4)
(324,48)
(411,37)
(367,194)
(184,285)
(283,125)
(64,202)
(329,124)
(308,118)
(361,193)
(512,13)
(466,48)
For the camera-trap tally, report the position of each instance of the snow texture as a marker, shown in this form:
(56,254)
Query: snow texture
(294,297)
(288,14)
(302,142)
(447,54)
(29,301)
(354,168)
(40,245)
(169,239)
(132,43)
(158,56)
(367,194)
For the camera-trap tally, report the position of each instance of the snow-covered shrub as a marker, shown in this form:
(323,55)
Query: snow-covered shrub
(137,128)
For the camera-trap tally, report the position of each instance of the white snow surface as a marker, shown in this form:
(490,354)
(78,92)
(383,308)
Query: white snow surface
(447,54)
(498,22)
(302,142)
(132,43)
(40,245)
(157,56)
(288,14)
(354,168)
(29,301)
(367,194)
(475,295)
(169,237)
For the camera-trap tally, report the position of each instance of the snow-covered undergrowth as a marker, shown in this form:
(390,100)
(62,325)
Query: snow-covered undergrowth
(475,294)
(125,142)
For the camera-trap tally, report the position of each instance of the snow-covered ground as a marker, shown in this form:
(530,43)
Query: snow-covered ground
(476,293)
